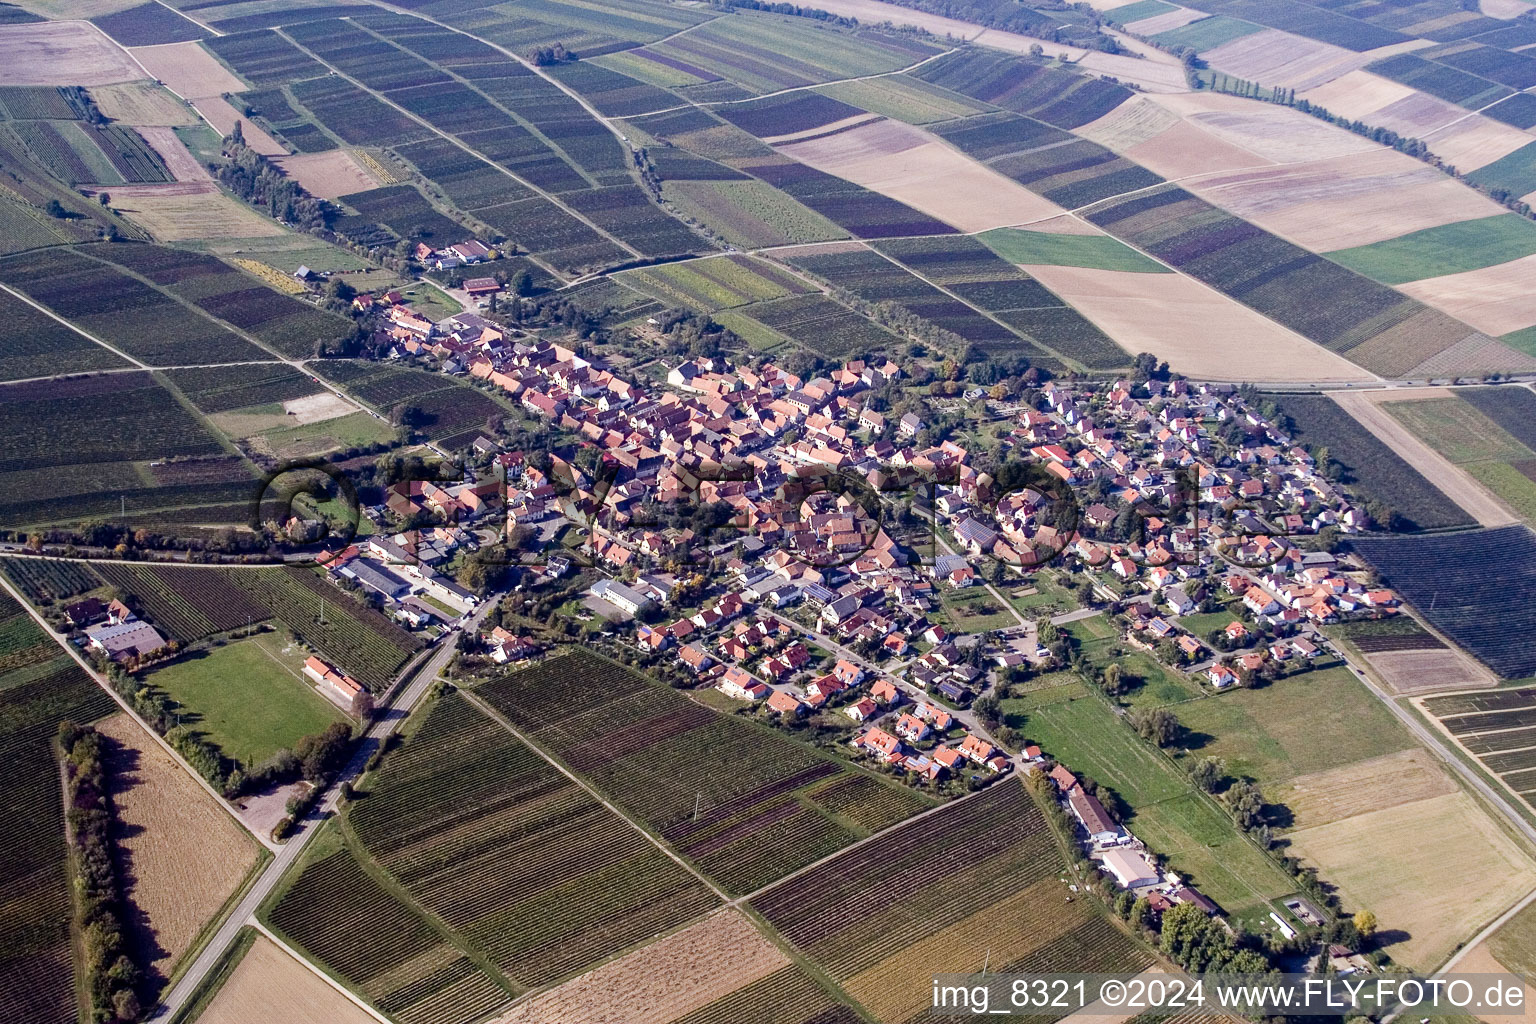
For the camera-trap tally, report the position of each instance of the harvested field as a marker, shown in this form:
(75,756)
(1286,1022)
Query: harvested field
(1192,326)
(1345,201)
(315,408)
(1476,142)
(190,210)
(184,854)
(1288,61)
(1394,861)
(1162,141)
(663,981)
(1133,122)
(1495,300)
(271,987)
(328,175)
(916,168)
(1411,672)
(1067,224)
(178,159)
(223,117)
(142,103)
(62,53)
(1187,149)
(1160,74)
(1272,132)
(1165,22)
(1367,97)
(1480,959)
(1360,787)
(1452,480)
(187,69)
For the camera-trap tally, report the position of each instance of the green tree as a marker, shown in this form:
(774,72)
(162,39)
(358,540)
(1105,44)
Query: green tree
(1207,773)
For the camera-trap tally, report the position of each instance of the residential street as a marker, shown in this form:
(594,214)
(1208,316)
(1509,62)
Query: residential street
(400,705)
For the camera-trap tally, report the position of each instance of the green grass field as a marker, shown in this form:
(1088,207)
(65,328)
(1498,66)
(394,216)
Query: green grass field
(1198,839)
(1208,33)
(248,697)
(1515,173)
(1448,249)
(323,436)
(1085,735)
(1127,13)
(1466,436)
(1514,944)
(1457,430)
(1096,252)
(973,610)
(1522,340)
(1305,723)
(1202,623)
(1516,489)
(906,99)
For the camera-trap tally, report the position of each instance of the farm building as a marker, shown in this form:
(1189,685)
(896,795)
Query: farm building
(122,640)
(1096,820)
(1131,868)
(620,596)
(338,687)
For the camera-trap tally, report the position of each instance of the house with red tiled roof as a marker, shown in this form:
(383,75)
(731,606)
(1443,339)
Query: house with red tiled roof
(862,710)
(910,727)
(785,703)
(877,741)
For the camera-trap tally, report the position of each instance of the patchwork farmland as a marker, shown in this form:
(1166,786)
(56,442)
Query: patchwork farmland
(665,760)
(1496,728)
(39,688)
(582,883)
(1461,583)
(883,918)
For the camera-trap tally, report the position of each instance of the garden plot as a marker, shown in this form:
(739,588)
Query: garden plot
(911,166)
(1195,328)
(62,53)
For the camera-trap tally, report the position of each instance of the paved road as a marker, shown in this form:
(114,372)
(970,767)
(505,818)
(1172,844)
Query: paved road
(388,720)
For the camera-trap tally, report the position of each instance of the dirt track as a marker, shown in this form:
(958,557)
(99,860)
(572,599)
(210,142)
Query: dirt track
(1458,485)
